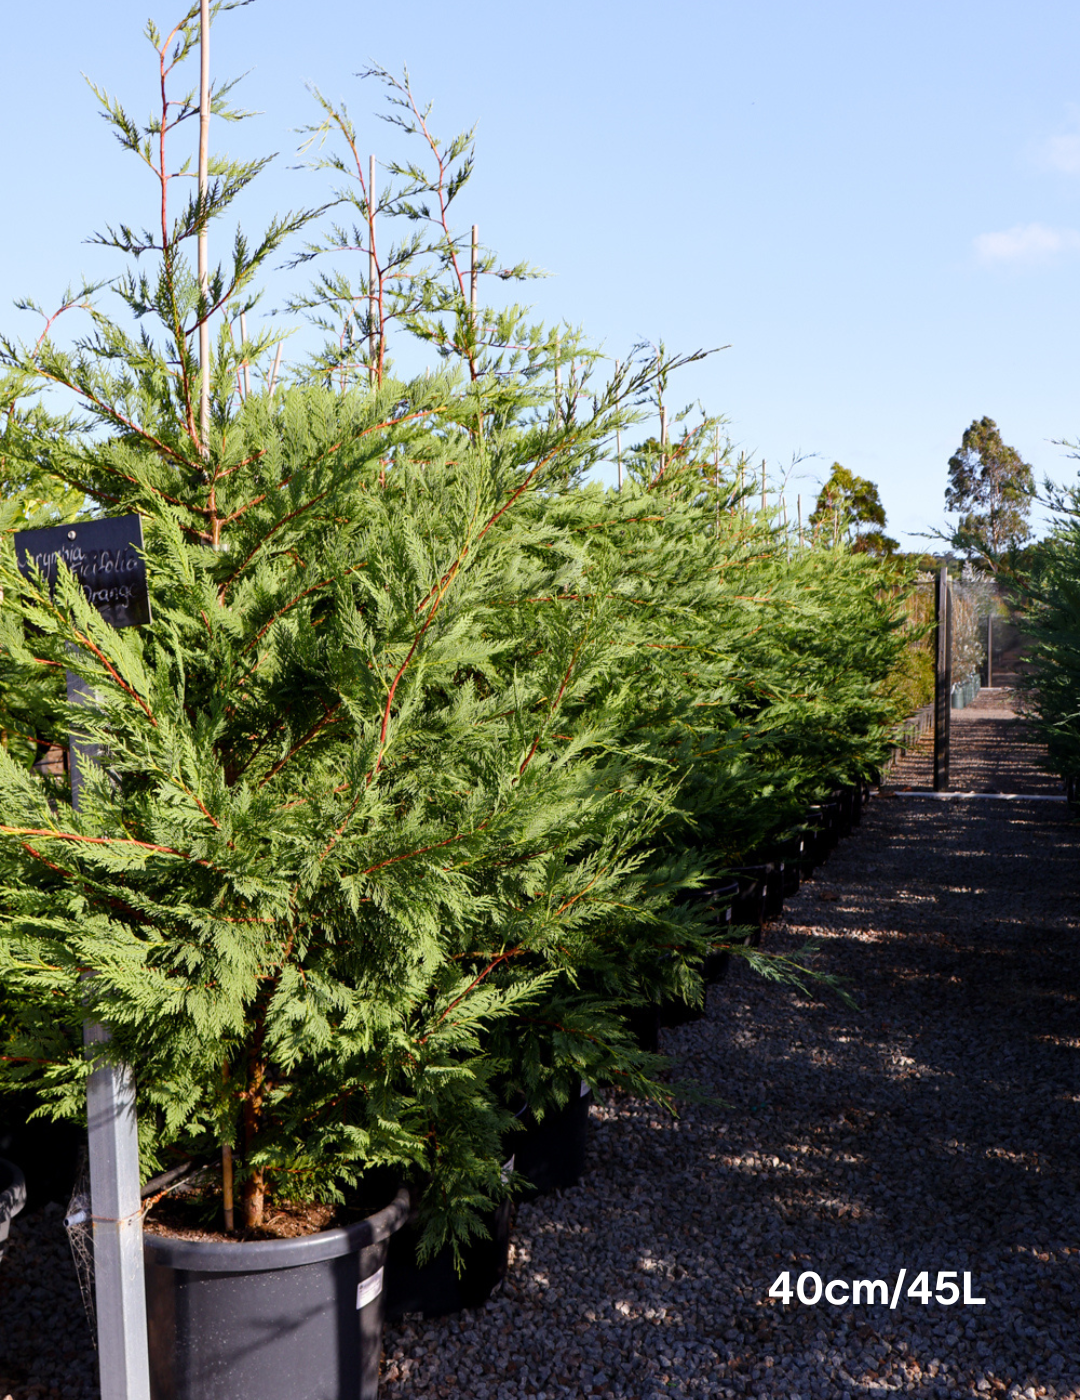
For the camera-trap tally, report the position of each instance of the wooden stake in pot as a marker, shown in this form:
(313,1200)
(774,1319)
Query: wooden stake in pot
(204,256)
(618,430)
(373,273)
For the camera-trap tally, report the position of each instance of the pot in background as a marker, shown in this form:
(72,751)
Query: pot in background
(12,1198)
(717,961)
(550,1152)
(436,1288)
(643,1023)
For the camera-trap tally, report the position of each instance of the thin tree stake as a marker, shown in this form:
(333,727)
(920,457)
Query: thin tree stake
(227,1188)
(474,273)
(204,264)
(558,384)
(373,272)
(618,429)
(274,370)
(247,371)
(716,474)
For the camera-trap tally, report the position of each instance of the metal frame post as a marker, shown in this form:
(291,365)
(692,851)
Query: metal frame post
(942,680)
(115,1191)
(990,651)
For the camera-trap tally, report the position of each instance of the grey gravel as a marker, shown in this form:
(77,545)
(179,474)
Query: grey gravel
(933,1128)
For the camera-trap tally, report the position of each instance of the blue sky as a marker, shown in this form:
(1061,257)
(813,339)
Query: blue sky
(875,206)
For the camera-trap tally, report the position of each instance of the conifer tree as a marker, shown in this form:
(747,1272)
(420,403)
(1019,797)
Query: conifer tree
(403,783)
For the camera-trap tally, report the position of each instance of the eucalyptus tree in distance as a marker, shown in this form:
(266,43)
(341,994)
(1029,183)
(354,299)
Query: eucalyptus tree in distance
(991,487)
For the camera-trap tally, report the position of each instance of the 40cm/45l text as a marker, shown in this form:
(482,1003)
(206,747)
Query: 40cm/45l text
(842,1292)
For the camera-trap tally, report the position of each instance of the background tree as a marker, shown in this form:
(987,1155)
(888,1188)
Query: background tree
(991,486)
(850,504)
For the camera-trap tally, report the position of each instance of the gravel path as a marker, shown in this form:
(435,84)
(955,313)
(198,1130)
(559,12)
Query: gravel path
(992,749)
(933,1128)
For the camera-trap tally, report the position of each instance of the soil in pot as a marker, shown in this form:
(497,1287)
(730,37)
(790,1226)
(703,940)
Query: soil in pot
(283,1318)
(12,1198)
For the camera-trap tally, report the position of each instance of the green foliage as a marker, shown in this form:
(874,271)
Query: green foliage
(1052,619)
(406,784)
(991,487)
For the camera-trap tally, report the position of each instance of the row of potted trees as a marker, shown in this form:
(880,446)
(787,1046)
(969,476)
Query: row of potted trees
(1052,623)
(415,797)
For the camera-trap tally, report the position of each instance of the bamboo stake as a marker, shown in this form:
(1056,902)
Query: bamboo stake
(800,520)
(274,370)
(474,272)
(663,438)
(247,371)
(204,264)
(373,272)
(716,474)
(558,384)
(763,485)
(227,1188)
(618,429)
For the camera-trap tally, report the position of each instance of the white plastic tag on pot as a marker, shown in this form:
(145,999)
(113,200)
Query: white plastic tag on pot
(584,1089)
(369,1289)
(508,1168)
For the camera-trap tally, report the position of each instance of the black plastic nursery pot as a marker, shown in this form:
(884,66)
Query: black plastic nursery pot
(842,797)
(791,852)
(643,1023)
(749,908)
(437,1288)
(550,1152)
(289,1319)
(676,1012)
(717,960)
(12,1198)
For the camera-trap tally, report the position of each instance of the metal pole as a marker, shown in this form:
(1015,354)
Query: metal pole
(990,651)
(942,681)
(115,1203)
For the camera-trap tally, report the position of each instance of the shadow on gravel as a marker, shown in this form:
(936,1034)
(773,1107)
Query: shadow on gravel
(932,1129)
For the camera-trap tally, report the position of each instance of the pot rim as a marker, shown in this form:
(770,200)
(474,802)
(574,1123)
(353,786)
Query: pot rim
(260,1256)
